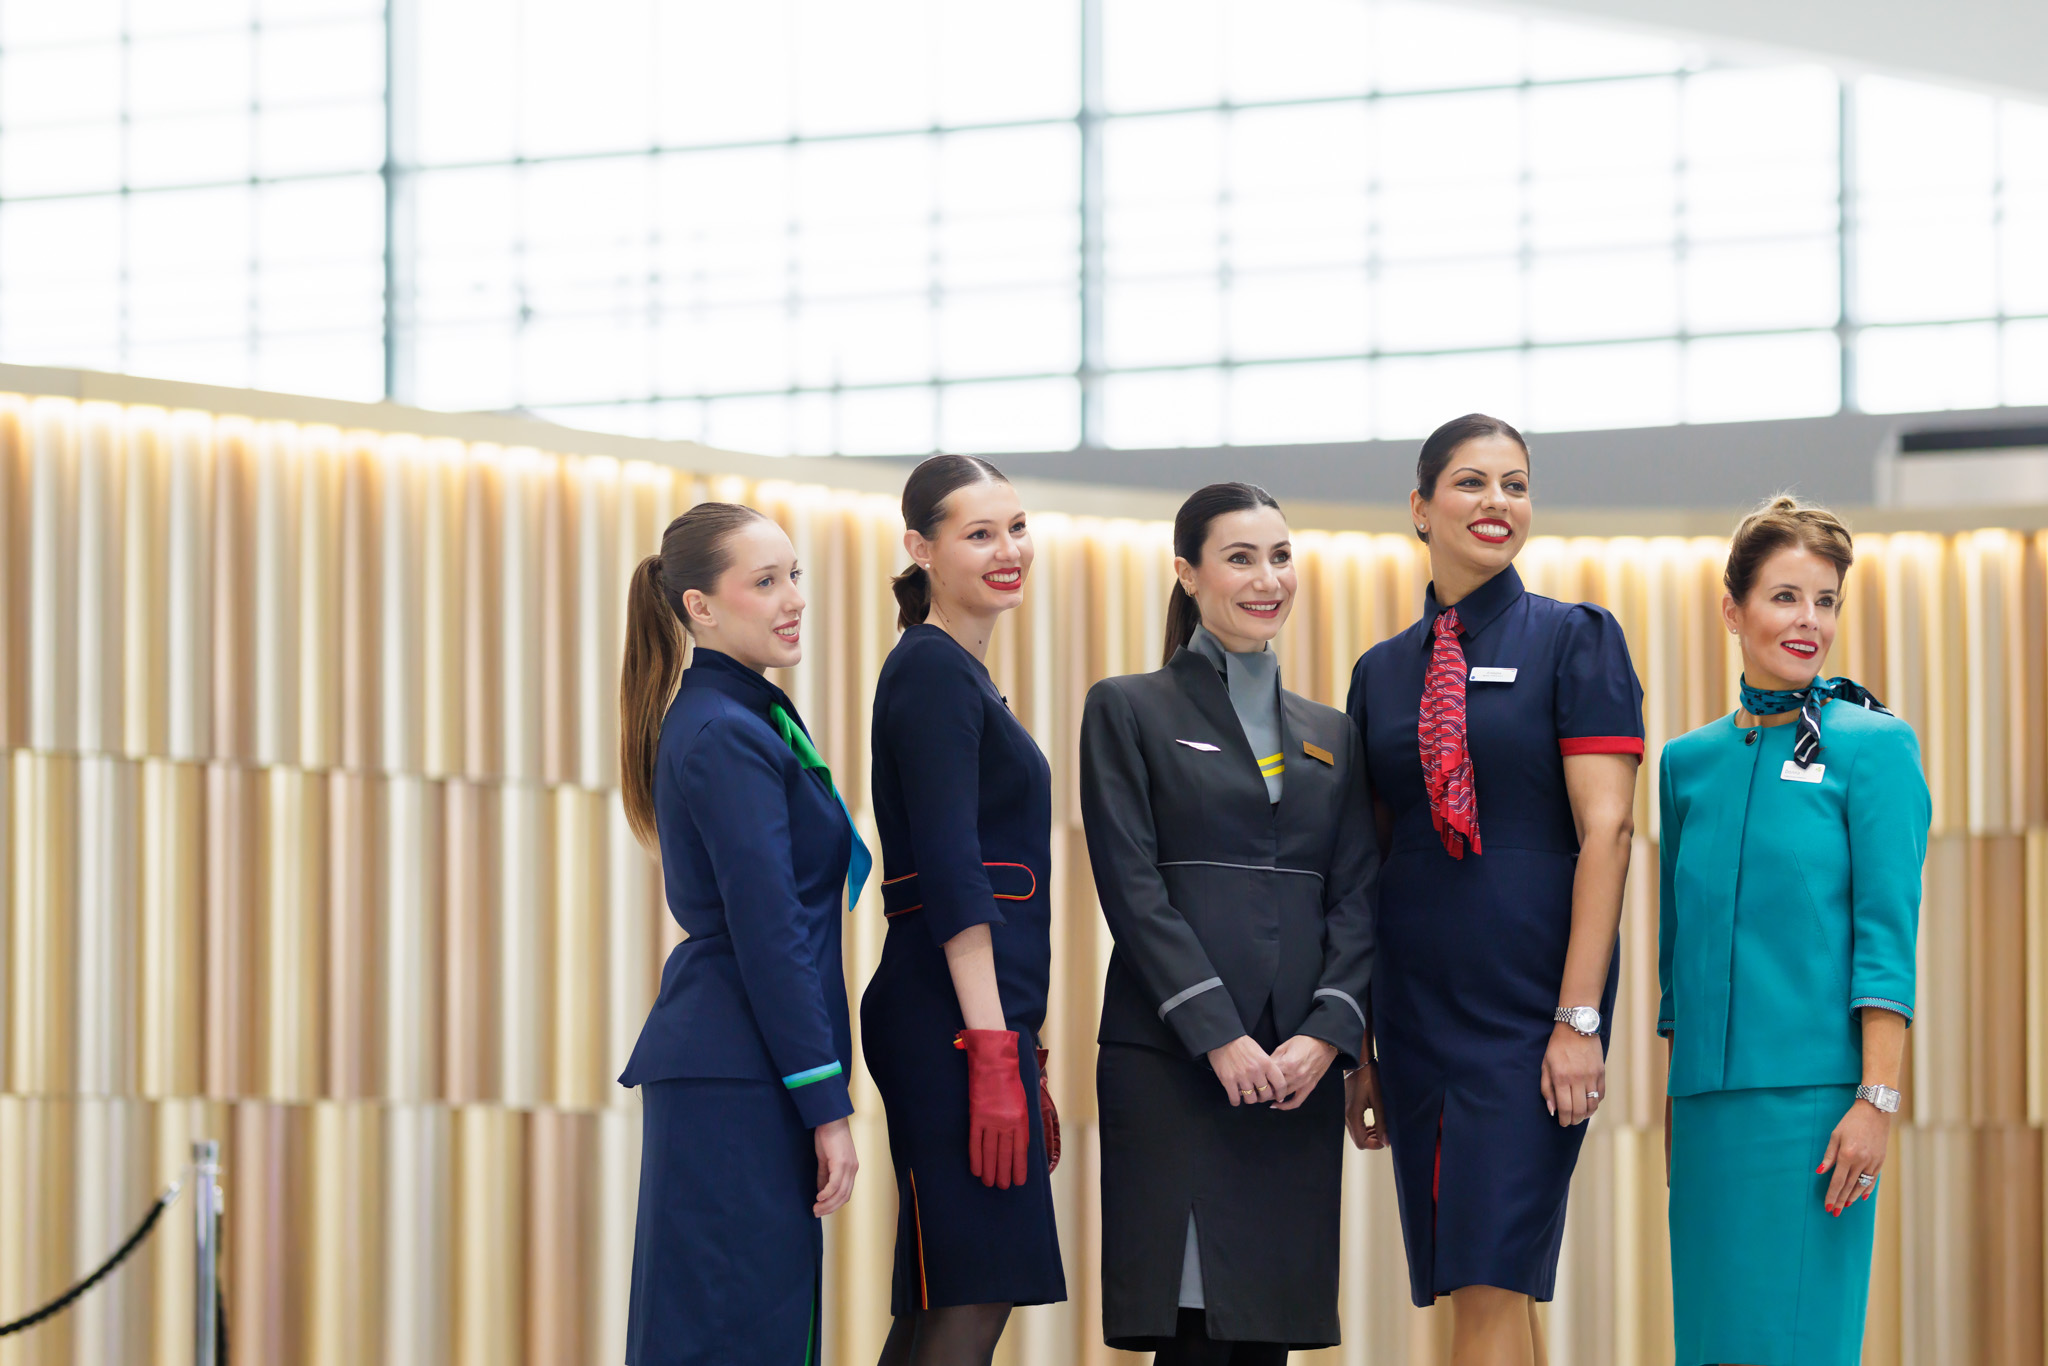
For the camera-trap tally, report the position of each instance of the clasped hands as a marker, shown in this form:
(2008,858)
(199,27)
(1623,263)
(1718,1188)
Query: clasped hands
(1283,1078)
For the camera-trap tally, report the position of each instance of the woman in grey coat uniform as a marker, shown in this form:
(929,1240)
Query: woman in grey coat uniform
(1217,806)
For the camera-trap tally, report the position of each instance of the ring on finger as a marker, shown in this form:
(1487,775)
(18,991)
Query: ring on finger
(1866,1180)
(1264,1087)
(1592,1095)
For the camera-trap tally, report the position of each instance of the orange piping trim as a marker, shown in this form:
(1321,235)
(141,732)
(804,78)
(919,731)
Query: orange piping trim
(999,896)
(1034,881)
(924,1292)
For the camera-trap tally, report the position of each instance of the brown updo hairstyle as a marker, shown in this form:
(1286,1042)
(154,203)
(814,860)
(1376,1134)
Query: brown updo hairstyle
(693,554)
(1443,443)
(1779,523)
(924,509)
(1190,532)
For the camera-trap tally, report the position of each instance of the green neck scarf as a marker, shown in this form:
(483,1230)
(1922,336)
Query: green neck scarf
(861,862)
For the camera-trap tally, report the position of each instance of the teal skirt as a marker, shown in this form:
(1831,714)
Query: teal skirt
(1760,1271)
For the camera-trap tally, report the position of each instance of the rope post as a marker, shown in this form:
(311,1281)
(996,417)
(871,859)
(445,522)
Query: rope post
(206,1207)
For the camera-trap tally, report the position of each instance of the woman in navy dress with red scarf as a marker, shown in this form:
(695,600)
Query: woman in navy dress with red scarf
(1502,734)
(950,1020)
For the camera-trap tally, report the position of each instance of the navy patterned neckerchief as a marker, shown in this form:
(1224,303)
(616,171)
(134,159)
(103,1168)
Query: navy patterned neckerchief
(1807,701)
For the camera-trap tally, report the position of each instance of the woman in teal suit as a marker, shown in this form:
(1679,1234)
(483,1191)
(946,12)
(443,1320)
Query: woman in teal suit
(1792,838)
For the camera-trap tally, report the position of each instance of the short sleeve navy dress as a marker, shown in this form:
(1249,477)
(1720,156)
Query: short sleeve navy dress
(1471,950)
(963,805)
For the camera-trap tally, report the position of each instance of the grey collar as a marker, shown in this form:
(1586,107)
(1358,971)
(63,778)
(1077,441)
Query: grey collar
(1262,667)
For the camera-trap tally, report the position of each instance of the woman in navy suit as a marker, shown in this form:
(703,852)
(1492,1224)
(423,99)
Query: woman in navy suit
(1502,733)
(742,1062)
(950,1020)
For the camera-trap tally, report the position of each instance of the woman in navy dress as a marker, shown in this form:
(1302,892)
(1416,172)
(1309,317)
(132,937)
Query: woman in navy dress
(950,1020)
(742,1062)
(1502,733)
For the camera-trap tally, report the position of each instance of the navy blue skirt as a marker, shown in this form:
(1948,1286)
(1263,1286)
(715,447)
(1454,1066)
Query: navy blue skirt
(726,1254)
(957,1241)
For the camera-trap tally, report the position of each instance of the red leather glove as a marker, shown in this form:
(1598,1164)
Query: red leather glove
(998,1125)
(1048,1116)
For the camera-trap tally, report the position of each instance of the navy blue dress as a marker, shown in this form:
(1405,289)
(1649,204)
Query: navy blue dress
(1471,950)
(747,1046)
(963,804)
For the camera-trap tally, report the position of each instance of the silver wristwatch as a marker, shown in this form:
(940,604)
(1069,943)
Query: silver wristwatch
(1583,1019)
(1883,1097)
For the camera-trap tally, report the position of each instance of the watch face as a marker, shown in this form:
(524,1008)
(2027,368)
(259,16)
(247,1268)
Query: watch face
(1584,1019)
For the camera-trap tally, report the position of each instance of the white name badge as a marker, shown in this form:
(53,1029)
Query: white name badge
(1492,675)
(1793,773)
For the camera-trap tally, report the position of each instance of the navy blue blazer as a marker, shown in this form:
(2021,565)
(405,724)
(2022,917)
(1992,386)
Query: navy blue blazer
(754,854)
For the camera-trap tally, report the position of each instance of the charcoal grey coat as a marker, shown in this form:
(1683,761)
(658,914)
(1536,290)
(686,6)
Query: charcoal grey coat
(1232,915)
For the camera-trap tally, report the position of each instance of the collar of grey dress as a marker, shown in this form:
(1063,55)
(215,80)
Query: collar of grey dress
(1253,681)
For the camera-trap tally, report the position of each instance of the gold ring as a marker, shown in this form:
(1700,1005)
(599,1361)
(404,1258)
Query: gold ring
(1265,1088)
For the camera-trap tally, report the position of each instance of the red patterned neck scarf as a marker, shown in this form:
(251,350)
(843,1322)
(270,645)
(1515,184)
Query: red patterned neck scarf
(1446,762)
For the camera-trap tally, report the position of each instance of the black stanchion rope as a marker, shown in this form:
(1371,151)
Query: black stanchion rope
(63,1301)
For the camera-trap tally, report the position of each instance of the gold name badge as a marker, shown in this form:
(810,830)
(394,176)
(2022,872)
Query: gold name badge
(1318,752)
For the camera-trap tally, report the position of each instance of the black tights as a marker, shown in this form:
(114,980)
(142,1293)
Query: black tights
(1192,1346)
(957,1335)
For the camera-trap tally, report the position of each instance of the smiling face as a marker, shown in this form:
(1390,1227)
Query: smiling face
(980,553)
(1477,517)
(1244,586)
(755,613)
(1787,622)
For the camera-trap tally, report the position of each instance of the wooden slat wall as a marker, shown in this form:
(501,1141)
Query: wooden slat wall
(309,840)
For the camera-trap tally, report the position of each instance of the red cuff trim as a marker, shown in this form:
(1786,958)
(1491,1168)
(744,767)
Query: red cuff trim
(1602,744)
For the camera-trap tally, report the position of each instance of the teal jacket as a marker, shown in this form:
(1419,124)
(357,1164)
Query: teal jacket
(1787,906)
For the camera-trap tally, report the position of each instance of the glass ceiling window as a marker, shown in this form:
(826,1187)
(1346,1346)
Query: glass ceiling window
(1446,210)
(1950,249)
(798,226)
(192,190)
(895,226)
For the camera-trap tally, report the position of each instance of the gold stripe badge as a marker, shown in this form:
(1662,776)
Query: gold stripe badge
(1318,752)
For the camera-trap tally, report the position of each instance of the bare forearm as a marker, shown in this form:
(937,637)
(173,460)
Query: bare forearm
(971,959)
(1884,1047)
(1596,917)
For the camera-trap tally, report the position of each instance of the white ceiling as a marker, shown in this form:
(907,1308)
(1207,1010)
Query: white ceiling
(1996,45)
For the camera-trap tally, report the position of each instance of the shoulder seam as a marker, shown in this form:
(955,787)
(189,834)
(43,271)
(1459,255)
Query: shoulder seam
(735,719)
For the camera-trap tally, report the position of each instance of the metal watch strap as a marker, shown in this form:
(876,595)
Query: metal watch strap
(1565,1016)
